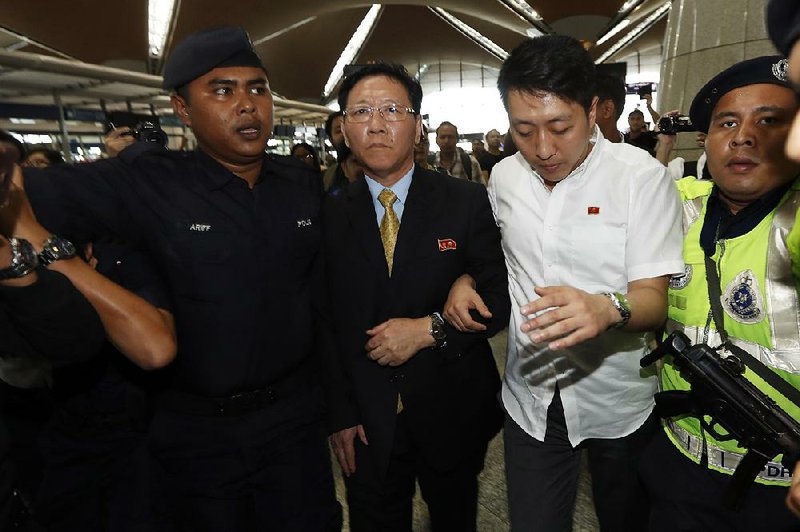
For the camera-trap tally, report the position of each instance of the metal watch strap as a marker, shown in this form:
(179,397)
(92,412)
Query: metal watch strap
(437,330)
(622,306)
(56,248)
(23,260)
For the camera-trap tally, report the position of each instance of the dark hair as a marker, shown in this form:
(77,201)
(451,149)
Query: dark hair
(636,112)
(329,122)
(555,64)
(390,70)
(309,148)
(611,88)
(446,123)
(11,139)
(53,156)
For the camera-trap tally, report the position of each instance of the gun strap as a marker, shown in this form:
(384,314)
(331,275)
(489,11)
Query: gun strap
(715,299)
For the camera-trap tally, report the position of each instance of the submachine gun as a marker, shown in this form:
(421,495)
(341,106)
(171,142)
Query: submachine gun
(719,390)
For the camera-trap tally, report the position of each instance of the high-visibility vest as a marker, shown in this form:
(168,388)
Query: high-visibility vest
(759,273)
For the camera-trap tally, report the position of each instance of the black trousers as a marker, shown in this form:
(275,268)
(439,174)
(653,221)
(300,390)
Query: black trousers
(383,503)
(687,497)
(542,477)
(95,478)
(268,469)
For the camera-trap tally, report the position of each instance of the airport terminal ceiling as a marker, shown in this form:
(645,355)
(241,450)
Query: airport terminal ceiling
(301,42)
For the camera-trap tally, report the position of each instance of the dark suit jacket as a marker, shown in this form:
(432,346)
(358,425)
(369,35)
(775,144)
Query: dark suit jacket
(449,394)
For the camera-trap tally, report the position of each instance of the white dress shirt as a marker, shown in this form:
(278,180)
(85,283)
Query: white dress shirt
(614,219)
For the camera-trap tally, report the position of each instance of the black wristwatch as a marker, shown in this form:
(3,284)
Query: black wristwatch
(437,330)
(23,260)
(622,305)
(56,248)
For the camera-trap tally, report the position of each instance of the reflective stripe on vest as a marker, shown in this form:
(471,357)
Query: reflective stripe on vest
(781,287)
(786,360)
(727,461)
(780,291)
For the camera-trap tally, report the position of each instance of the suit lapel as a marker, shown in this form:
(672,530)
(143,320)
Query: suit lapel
(417,213)
(365,227)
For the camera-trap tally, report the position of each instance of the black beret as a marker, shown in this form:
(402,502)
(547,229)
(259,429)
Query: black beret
(766,69)
(201,52)
(783,23)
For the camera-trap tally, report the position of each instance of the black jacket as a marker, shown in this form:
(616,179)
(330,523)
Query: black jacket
(447,229)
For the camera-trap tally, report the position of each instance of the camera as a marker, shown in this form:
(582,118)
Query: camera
(145,128)
(146,131)
(670,125)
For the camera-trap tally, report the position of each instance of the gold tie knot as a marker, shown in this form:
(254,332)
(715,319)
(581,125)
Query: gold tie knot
(390,224)
(387,198)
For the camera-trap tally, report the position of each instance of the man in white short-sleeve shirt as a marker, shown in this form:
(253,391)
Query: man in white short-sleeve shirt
(591,233)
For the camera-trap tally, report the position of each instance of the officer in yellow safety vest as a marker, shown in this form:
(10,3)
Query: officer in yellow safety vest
(744,221)
(783,25)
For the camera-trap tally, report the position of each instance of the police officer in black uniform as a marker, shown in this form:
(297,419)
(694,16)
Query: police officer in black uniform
(235,232)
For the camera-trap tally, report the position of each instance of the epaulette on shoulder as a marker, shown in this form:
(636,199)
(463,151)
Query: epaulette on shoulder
(691,188)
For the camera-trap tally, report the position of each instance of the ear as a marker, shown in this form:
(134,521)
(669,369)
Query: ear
(592,114)
(604,109)
(418,129)
(181,109)
(344,134)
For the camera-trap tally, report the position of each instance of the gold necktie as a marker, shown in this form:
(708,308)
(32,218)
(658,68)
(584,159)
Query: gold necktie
(390,225)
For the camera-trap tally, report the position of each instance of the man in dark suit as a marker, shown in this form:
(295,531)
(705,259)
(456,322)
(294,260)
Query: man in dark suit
(410,397)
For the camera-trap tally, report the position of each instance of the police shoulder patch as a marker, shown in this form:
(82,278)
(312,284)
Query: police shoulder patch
(742,299)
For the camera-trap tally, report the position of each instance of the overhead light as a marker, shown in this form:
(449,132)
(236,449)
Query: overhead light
(523,10)
(353,47)
(471,33)
(159,19)
(423,69)
(284,30)
(636,32)
(613,31)
(533,32)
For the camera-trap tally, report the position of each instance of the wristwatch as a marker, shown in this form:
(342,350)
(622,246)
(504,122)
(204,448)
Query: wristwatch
(437,330)
(56,248)
(620,302)
(23,260)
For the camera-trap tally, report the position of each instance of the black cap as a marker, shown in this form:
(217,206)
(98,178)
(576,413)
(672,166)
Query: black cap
(783,23)
(201,52)
(766,69)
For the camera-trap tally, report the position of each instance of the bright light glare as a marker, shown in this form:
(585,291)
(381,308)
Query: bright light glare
(473,110)
(353,47)
(471,32)
(159,14)
(616,29)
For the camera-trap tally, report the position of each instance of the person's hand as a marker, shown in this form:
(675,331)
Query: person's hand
(568,316)
(17,217)
(344,448)
(461,299)
(8,160)
(395,341)
(5,252)
(793,497)
(117,140)
(700,139)
(649,99)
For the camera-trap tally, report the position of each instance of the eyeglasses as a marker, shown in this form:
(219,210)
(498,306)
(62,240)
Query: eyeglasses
(389,112)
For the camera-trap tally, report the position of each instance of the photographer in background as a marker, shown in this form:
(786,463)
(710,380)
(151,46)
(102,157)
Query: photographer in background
(672,123)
